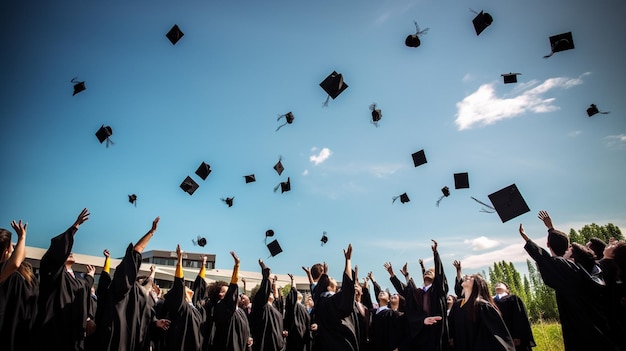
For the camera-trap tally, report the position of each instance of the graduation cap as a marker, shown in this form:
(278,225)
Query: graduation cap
(203,170)
(404,198)
(333,85)
(481,21)
(78,86)
(324,238)
(278,167)
(132,199)
(593,110)
(509,203)
(560,42)
(284,186)
(103,134)
(229,201)
(274,248)
(288,119)
(249,178)
(446,192)
(189,185)
(461,180)
(200,241)
(419,158)
(377,114)
(175,34)
(413,40)
(268,234)
(510,77)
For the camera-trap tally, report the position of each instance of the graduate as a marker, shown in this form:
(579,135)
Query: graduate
(297,321)
(187,318)
(385,327)
(131,308)
(229,330)
(475,323)
(63,297)
(19,289)
(102,319)
(515,317)
(266,322)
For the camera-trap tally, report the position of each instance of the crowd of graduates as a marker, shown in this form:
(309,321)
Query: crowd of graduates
(60,310)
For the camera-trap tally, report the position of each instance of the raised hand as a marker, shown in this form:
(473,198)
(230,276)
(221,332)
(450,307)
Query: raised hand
(82,218)
(155,224)
(389,268)
(457,265)
(405,269)
(20,228)
(232,253)
(179,252)
(91,270)
(106,253)
(347,253)
(545,218)
(434,246)
(522,232)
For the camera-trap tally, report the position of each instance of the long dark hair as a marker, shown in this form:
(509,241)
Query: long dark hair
(480,291)
(25,269)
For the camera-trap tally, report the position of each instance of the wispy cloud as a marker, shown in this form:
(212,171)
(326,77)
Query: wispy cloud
(574,133)
(305,172)
(616,141)
(511,253)
(322,156)
(484,107)
(468,77)
(481,243)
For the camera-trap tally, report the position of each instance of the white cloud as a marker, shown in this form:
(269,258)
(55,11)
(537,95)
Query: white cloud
(322,156)
(468,77)
(616,141)
(481,243)
(512,253)
(306,172)
(483,107)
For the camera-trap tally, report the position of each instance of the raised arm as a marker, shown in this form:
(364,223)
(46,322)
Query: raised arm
(307,270)
(235,277)
(143,242)
(545,218)
(422,266)
(405,271)
(107,261)
(19,252)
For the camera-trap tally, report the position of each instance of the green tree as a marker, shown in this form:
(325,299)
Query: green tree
(542,304)
(605,233)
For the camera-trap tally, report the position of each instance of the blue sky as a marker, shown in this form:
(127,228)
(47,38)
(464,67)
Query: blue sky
(215,97)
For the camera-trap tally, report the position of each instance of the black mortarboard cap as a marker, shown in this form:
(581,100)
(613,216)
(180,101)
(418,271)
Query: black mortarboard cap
(250,178)
(278,167)
(284,186)
(413,40)
(103,134)
(203,170)
(229,201)
(461,180)
(593,110)
(324,238)
(509,203)
(200,241)
(288,119)
(481,21)
(269,233)
(274,248)
(403,198)
(174,34)
(510,77)
(334,85)
(419,158)
(377,114)
(132,199)
(560,42)
(189,185)
(78,86)
(446,192)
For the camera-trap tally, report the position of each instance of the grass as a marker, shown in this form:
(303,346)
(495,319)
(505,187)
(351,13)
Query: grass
(548,336)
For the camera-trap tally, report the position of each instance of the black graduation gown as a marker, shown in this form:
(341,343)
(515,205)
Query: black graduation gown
(435,337)
(384,329)
(412,321)
(18,308)
(228,330)
(266,322)
(515,317)
(187,320)
(132,313)
(580,300)
(297,322)
(102,337)
(62,304)
(486,332)
(616,300)
(337,323)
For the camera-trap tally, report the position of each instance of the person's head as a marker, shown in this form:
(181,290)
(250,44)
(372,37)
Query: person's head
(478,286)
(5,244)
(223,290)
(429,276)
(308,301)
(450,300)
(244,300)
(501,288)
(582,256)
(383,298)
(215,290)
(597,246)
(316,271)
(558,242)
(619,257)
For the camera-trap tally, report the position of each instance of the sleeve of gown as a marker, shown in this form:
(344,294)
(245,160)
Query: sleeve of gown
(556,272)
(199,289)
(398,285)
(175,298)
(366,298)
(495,335)
(125,273)
(441,282)
(346,295)
(53,260)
